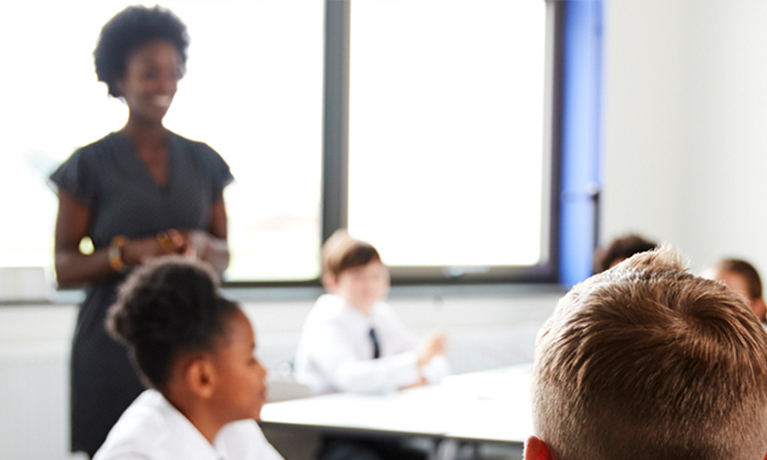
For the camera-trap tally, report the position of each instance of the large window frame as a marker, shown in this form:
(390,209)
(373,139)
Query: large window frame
(336,163)
(572,140)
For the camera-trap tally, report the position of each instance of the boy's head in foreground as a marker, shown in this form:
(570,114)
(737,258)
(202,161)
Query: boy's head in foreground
(646,361)
(741,277)
(353,270)
(188,342)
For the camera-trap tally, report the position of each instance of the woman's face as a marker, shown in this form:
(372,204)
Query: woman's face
(152,72)
(241,379)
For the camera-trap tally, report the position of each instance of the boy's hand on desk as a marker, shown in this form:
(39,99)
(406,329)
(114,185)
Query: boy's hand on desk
(433,346)
(420,382)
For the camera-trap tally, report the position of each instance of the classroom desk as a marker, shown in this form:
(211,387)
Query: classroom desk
(489,406)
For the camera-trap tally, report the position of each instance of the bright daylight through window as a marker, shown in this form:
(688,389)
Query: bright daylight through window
(447,165)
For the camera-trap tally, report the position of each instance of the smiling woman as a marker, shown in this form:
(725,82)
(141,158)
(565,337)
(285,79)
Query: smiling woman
(139,193)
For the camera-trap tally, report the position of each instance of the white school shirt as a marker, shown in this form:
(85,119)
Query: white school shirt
(152,429)
(335,352)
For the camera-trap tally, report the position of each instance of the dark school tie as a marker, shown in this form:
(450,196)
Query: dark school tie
(376,347)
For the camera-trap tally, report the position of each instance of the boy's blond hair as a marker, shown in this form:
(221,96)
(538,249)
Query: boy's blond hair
(341,252)
(646,361)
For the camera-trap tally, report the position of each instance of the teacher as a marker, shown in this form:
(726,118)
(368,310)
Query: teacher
(138,193)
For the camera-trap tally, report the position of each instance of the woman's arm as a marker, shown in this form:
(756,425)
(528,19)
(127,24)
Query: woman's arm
(212,246)
(75,268)
(72,266)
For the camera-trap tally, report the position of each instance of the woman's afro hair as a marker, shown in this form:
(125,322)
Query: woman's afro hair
(129,29)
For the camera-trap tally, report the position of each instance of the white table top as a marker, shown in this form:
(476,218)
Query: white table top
(489,406)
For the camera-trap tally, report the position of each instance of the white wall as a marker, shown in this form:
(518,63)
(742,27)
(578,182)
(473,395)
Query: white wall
(685,119)
(643,80)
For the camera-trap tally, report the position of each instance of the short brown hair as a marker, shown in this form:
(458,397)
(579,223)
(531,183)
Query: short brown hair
(747,271)
(342,252)
(620,248)
(646,361)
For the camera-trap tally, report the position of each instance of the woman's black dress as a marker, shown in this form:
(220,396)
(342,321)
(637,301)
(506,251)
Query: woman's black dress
(124,199)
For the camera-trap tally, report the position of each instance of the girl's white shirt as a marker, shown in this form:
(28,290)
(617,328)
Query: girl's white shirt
(152,429)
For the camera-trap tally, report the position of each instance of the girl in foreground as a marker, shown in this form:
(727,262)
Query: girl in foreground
(194,349)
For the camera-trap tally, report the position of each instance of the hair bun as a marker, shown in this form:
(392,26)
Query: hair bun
(165,300)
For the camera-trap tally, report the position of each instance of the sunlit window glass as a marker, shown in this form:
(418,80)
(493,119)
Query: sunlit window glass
(446,146)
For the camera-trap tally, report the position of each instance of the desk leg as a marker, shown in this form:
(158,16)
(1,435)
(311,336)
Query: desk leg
(475,448)
(446,449)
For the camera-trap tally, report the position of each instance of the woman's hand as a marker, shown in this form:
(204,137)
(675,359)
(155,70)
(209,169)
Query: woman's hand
(206,247)
(210,246)
(137,251)
(74,268)
(198,243)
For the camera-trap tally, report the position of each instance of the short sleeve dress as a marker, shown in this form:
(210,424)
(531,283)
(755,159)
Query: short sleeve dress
(124,199)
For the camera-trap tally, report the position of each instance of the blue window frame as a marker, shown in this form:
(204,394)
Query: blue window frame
(580,139)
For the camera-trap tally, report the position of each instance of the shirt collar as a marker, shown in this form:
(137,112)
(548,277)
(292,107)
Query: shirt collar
(186,437)
(355,315)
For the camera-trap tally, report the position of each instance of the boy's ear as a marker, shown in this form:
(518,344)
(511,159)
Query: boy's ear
(759,308)
(535,449)
(200,377)
(330,282)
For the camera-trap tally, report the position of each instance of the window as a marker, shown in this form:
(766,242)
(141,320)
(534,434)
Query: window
(428,127)
(448,170)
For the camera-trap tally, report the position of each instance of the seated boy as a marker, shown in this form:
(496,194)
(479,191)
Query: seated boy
(646,361)
(742,277)
(353,341)
(194,349)
(620,249)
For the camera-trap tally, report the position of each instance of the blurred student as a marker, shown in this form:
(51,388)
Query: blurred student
(742,277)
(352,341)
(619,250)
(194,350)
(646,361)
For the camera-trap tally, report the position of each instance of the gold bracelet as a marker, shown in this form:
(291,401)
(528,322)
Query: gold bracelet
(115,253)
(166,243)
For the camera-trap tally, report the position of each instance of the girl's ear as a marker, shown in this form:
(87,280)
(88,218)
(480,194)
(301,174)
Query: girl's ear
(200,377)
(120,87)
(535,449)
